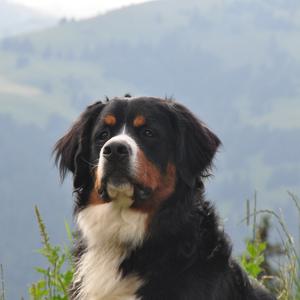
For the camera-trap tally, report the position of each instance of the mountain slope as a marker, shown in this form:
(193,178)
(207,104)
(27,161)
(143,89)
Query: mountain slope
(256,44)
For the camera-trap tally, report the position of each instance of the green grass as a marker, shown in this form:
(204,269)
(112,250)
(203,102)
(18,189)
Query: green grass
(276,266)
(57,276)
(253,258)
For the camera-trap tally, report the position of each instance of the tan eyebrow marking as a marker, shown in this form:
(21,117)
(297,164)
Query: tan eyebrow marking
(110,120)
(139,121)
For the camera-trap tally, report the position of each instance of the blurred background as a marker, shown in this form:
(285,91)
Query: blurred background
(234,63)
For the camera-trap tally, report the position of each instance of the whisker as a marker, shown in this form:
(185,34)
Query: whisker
(92,164)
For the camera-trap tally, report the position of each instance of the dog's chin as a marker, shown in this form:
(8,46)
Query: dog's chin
(123,192)
(119,191)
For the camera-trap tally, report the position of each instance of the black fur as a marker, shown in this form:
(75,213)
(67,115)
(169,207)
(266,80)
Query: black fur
(196,145)
(72,152)
(186,255)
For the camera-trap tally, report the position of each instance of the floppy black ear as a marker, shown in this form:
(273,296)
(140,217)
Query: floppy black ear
(196,145)
(72,150)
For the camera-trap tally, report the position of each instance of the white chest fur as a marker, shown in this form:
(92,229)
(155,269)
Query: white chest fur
(111,233)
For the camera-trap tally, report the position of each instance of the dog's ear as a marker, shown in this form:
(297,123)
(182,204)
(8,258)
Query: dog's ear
(72,150)
(196,145)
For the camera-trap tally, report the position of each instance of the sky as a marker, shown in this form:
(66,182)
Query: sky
(75,8)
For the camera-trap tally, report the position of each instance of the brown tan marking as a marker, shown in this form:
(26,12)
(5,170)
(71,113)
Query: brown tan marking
(162,185)
(94,197)
(148,174)
(110,120)
(139,121)
(167,184)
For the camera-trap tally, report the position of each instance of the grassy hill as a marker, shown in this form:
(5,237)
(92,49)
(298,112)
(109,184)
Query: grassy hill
(235,64)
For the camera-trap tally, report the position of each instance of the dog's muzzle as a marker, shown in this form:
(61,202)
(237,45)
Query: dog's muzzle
(117,168)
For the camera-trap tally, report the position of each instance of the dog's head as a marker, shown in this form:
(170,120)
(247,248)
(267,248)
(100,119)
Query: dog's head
(133,152)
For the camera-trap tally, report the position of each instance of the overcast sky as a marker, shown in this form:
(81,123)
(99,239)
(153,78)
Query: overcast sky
(75,8)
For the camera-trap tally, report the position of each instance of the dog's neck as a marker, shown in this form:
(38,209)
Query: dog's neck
(110,233)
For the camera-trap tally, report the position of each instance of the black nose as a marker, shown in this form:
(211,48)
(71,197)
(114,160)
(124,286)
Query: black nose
(116,150)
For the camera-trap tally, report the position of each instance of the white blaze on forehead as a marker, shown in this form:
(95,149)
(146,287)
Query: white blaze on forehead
(123,131)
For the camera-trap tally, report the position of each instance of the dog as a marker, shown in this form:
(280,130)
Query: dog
(146,231)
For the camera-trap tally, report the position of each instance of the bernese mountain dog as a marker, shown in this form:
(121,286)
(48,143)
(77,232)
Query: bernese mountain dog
(146,231)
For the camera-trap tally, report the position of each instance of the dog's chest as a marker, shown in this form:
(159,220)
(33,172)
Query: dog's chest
(108,232)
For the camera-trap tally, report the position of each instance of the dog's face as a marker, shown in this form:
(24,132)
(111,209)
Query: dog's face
(134,151)
(132,148)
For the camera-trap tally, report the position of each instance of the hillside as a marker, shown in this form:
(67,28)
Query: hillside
(16,19)
(236,65)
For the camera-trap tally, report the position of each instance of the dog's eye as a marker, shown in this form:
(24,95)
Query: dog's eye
(148,133)
(103,135)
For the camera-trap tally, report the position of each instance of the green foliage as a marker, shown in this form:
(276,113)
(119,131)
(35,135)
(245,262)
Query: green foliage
(57,276)
(276,265)
(253,258)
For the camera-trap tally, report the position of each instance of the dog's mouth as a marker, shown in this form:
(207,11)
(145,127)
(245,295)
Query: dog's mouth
(123,191)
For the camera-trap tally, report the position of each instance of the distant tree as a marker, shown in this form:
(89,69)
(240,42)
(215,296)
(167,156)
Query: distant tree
(47,53)
(22,62)
(18,45)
